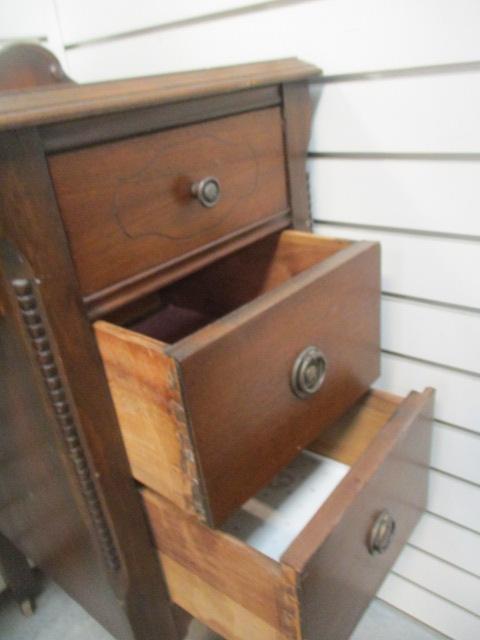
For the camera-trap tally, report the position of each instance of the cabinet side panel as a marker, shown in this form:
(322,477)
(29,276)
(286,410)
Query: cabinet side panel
(40,508)
(91,474)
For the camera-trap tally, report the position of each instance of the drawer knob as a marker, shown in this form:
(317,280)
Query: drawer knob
(381,533)
(308,372)
(207,191)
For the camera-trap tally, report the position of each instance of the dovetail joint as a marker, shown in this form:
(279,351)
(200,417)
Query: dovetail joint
(188,461)
(309,197)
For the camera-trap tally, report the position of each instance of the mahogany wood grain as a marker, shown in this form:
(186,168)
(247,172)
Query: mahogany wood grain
(413,416)
(115,126)
(247,427)
(128,291)
(82,478)
(127,206)
(42,106)
(326,577)
(338,574)
(83,521)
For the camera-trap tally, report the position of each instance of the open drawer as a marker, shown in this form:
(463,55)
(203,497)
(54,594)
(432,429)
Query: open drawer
(221,378)
(303,558)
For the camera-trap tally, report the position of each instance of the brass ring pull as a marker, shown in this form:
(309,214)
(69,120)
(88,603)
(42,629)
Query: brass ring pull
(207,191)
(308,372)
(381,533)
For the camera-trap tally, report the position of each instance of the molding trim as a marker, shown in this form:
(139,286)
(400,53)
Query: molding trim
(36,326)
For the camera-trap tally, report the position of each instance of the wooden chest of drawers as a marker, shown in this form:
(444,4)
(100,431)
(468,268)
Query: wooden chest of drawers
(155,252)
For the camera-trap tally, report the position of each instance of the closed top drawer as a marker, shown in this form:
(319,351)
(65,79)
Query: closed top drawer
(302,559)
(219,379)
(128,206)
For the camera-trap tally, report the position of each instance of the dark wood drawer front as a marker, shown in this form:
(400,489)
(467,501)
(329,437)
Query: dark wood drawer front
(236,373)
(341,574)
(211,371)
(127,206)
(319,586)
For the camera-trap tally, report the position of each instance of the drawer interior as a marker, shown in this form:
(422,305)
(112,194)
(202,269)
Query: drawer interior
(281,564)
(276,516)
(188,305)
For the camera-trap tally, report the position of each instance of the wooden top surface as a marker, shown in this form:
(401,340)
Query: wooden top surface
(62,102)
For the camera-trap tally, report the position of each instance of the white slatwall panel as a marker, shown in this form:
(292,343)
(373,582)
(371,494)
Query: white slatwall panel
(22,20)
(431,332)
(439,269)
(456,451)
(32,21)
(446,617)
(423,211)
(77,25)
(455,500)
(440,577)
(435,113)
(341,36)
(458,394)
(412,194)
(448,541)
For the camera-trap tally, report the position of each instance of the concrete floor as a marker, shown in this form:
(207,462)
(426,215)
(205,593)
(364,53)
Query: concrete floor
(58,617)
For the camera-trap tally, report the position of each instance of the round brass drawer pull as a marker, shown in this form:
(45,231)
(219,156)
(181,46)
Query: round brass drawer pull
(308,372)
(207,191)
(381,533)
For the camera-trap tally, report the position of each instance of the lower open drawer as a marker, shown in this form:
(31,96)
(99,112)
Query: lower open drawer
(302,559)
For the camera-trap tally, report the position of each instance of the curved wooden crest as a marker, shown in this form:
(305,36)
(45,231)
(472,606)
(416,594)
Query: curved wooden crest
(25,65)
